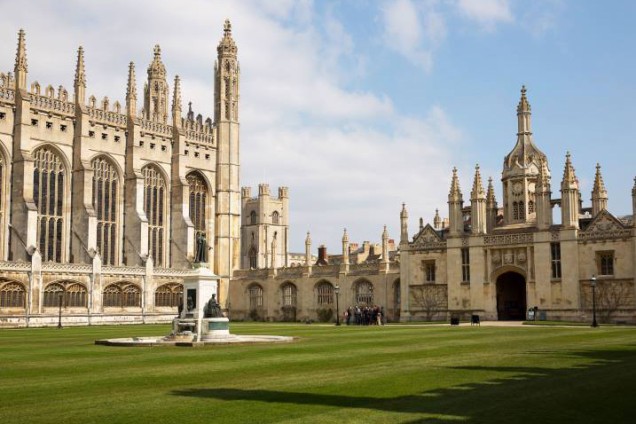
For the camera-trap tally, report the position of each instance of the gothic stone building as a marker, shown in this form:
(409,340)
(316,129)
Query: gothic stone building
(499,262)
(101,203)
(496,262)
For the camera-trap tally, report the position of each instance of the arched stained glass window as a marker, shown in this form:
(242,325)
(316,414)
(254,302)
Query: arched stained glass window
(105,201)
(364,293)
(72,294)
(12,295)
(155,208)
(256,296)
(169,295)
(325,293)
(289,294)
(48,194)
(122,295)
(198,201)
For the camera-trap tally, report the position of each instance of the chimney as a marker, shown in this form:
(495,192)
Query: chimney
(322,255)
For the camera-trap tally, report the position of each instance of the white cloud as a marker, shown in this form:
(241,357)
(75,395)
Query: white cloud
(413,30)
(487,13)
(345,154)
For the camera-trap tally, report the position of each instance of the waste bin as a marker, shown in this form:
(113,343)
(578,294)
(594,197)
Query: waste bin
(531,314)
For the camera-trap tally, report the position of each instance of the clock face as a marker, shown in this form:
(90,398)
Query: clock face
(517,188)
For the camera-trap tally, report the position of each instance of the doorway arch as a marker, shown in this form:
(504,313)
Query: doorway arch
(511,297)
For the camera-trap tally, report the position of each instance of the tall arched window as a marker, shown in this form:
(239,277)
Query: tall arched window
(72,294)
(105,201)
(122,295)
(253,218)
(256,296)
(155,208)
(1,199)
(198,202)
(364,293)
(253,257)
(48,194)
(12,295)
(289,294)
(325,293)
(169,295)
(275,217)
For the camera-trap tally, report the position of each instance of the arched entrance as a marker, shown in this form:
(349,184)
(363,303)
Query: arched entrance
(511,297)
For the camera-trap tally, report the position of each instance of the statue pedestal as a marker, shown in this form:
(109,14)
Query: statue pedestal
(198,288)
(215,328)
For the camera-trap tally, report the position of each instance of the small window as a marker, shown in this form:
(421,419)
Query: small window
(34,122)
(63,128)
(152,145)
(605,262)
(2,115)
(163,148)
(555,256)
(275,218)
(465,265)
(91,134)
(196,154)
(141,143)
(207,156)
(429,271)
(117,138)
(253,218)
(104,136)
(185,152)
(49,125)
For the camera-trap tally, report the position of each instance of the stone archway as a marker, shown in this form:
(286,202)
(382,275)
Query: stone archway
(511,297)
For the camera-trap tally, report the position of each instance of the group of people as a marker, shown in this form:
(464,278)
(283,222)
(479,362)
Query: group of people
(365,315)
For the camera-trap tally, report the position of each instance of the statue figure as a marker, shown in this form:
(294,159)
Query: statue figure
(213,309)
(202,249)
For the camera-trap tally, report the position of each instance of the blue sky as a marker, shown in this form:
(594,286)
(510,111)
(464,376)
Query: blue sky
(360,105)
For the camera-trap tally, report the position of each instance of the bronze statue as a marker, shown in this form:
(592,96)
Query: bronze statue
(202,249)
(213,309)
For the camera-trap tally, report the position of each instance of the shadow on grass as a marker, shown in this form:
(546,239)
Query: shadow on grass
(599,391)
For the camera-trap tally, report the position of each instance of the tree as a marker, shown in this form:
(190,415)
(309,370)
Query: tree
(430,298)
(611,296)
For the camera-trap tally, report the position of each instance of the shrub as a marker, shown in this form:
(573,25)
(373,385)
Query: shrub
(324,315)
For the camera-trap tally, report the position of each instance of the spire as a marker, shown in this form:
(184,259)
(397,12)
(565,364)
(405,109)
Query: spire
(543,179)
(20,70)
(385,245)
(599,193)
(131,91)
(156,68)
(404,232)
(569,178)
(437,220)
(308,250)
(176,102)
(385,234)
(227,46)
(478,188)
(345,236)
(455,192)
(491,201)
(80,78)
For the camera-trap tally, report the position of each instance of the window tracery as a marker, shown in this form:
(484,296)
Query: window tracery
(364,293)
(325,293)
(48,195)
(12,295)
(256,296)
(289,294)
(155,209)
(105,201)
(122,295)
(169,295)
(72,294)
(198,204)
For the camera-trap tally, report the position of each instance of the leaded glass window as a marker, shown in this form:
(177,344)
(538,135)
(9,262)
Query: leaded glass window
(256,296)
(169,295)
(105,201)
(198,202)
(325,293)
(155,208)
(48,194)
(289,294)
(70,293)
(122,295)
(364,293)
(12,295)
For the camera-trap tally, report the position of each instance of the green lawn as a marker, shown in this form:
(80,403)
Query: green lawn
(392,374)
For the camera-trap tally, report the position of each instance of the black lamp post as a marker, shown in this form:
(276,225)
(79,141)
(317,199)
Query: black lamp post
(337,291)
(593,284)
(59,316)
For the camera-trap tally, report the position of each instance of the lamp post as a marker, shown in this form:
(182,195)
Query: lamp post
(593,284)
(337,291)
(59,316)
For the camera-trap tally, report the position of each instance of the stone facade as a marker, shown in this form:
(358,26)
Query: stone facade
(101,204)
(499,262)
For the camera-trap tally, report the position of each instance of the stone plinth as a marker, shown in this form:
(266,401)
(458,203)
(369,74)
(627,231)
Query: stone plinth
(215,328)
